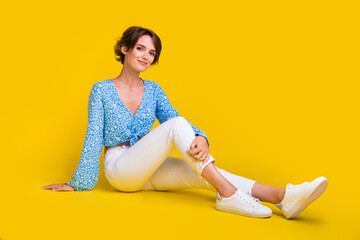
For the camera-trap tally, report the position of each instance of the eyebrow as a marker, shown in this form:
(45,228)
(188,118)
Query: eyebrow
(145,47)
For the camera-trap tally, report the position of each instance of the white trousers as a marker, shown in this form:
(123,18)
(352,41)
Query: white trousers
(146,165)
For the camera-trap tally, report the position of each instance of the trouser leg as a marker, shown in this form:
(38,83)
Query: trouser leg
(131,170)
(175,173)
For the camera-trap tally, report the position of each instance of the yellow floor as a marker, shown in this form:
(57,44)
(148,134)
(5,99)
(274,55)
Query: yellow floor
(105,213)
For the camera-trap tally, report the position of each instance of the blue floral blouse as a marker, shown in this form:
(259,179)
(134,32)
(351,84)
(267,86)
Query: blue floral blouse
(111,123)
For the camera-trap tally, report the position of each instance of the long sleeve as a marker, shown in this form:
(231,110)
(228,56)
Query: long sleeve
(165,111)
(87,173)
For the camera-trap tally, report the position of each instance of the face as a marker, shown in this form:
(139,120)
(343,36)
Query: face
(141,56)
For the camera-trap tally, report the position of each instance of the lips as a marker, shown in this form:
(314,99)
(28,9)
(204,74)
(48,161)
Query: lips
(142,63)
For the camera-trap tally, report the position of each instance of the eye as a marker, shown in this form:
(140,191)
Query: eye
(152,53)
(139,48)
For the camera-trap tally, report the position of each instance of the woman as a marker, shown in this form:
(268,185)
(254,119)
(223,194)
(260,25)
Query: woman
(121,113)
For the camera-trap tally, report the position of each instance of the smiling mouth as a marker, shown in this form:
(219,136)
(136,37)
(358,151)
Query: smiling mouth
(142,63)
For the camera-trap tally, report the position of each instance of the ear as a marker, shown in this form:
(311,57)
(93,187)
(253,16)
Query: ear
(123,49)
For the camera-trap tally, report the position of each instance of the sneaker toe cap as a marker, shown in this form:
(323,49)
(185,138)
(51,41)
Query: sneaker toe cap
(264,211)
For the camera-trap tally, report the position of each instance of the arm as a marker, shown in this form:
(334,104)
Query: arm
(165,111)
(87,172)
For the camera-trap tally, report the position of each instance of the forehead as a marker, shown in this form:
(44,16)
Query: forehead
(147,41)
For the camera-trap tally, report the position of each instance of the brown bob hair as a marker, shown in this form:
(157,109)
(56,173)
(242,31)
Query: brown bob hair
(130,38)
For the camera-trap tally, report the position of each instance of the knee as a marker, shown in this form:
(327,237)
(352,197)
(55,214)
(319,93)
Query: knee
(181,122)
(178,122)
(178,119)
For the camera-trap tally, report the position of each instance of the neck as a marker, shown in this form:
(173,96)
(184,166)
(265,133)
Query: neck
(128,78)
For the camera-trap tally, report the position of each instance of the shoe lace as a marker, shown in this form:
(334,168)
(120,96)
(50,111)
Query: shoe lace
(249,199)
(291,186)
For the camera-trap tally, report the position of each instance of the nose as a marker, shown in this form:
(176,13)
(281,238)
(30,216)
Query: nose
(145,56)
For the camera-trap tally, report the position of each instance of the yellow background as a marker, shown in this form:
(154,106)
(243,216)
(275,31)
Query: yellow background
(274,84)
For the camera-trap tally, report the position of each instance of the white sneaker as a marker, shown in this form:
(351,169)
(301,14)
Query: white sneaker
(298,197)
(243,204)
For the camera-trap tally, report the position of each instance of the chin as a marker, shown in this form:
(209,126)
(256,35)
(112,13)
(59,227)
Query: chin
(143,69)
(139,68)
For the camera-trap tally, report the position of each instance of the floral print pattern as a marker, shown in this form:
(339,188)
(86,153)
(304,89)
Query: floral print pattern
(111,123)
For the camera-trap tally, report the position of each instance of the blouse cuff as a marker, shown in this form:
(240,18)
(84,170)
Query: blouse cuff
(75,187)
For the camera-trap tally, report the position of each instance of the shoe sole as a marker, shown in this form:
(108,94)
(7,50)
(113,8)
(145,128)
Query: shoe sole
(319,189)
(237,211)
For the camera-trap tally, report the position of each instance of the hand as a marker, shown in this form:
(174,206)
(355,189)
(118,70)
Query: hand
(199,149)
(59,187)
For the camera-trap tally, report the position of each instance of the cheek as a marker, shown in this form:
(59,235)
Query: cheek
(135,55)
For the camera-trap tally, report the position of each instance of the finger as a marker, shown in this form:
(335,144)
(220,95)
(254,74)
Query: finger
(57,189)
(190,153)
(207,158)
(193,144)
(207,155)
(204,157)
(196,156)
(200,155)
(197,151)
(192,147)
(48,186)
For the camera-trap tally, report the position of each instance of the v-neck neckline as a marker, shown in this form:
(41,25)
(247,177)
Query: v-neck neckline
(123,104)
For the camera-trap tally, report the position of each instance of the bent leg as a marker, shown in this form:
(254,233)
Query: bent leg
(175,173)
(132,168)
